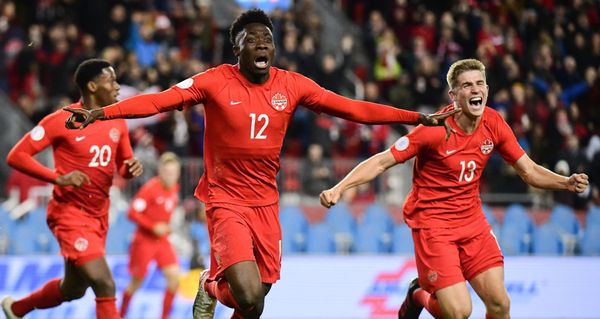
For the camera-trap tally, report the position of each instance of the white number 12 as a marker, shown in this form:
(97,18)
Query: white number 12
(259,135)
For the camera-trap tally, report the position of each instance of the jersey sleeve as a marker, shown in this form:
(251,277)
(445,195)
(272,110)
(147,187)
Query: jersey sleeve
(188,92)
(509,148)
(138,207)
(21,155)
(411,144)
(320,100)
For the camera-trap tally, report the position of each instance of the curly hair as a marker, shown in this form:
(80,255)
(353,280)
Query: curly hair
(248,17)
(88,70)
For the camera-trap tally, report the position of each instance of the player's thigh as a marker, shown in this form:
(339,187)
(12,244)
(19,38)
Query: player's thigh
(141,254)
(455,300)
(437,258)
(97,273)
(266,233)
(489,286)
(74,284)
(231,238)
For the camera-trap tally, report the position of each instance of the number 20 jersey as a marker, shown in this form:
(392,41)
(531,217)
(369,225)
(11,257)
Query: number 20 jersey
(446,174)
(95,151)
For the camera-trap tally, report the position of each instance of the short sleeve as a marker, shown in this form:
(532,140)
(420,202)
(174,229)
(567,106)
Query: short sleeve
(410,145)
(508,146)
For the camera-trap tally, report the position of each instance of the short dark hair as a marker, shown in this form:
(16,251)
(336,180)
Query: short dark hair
(88,70)
(248,17)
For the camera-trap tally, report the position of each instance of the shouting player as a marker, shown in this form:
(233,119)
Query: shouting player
(78,210)
(151,210)
(453,240)
(248,108)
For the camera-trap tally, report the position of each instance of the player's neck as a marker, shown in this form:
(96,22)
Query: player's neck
(87,103)
(253,78)
(467,123)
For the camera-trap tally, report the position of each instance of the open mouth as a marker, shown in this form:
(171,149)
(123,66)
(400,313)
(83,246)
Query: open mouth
(476,101)
(261,62)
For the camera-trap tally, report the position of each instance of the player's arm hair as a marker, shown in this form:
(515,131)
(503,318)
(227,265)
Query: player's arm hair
(21,158)
(365,112)
(144,105)
(368,170)
(539,176)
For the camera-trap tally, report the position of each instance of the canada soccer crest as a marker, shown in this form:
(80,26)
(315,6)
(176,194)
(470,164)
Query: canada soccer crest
(114,134)
(487,146)
(279,101)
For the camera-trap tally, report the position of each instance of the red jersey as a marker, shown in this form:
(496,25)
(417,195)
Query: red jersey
(446,174)
(245,124)
(153,203)
(95,152)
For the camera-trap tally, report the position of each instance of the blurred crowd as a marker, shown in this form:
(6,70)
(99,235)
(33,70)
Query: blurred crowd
(542,58)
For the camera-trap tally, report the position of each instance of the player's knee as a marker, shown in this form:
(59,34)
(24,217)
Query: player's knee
(499,306)
(251,300)
(104,286)
(74,294)
(461,311)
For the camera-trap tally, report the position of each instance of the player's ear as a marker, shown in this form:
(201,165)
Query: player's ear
(91,86)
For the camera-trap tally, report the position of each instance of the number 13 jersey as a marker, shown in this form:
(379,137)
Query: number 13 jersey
(446,174)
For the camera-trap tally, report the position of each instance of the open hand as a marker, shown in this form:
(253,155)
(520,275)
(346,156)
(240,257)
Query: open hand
(83,116)
(439,119)
(578,183)
(74,178)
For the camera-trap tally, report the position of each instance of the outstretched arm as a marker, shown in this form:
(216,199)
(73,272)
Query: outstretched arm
(364,172)
(374,113)
(540,177)
(143,105)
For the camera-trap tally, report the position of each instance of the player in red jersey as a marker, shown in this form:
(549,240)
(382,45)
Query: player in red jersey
(248,108)
(78,210)
(151,210)
(453,240)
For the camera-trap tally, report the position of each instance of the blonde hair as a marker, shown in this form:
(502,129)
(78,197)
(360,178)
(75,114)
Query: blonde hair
(461,66)
(168,157)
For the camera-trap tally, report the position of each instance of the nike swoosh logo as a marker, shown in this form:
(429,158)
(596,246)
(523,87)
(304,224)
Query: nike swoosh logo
(450,152)
(79,138)
(234,102)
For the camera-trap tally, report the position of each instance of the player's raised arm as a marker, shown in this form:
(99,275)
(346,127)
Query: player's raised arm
(364,172)
(541,177)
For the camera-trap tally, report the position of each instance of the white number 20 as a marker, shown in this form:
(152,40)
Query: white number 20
(467,170)
(101,155)
(259,135)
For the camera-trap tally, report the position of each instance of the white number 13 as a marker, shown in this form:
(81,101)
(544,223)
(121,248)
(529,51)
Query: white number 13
(467,170)
(261,118)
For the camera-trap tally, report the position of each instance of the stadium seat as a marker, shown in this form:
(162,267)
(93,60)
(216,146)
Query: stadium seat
(565,220)
(45,243)
(373,233)
(319,239)
(515,234)
(120,234)
(590,243)
(593,216)
(199,232)
(402,241)
(491,218)
(293,227)
(547,240)
(342,225)
(6,228)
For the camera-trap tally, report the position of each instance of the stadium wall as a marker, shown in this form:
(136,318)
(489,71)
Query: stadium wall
(327,287)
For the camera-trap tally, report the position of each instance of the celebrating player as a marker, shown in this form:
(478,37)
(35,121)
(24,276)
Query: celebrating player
(151,210)
(453,241)
(248,108)
(78,211)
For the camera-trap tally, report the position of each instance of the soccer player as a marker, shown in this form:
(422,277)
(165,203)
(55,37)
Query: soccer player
(248,107)
(78,210)
(453,240)
(151,210)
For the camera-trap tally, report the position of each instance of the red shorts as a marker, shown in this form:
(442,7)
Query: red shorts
(446,256)
(143,250)
(81,236)
(239,233)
